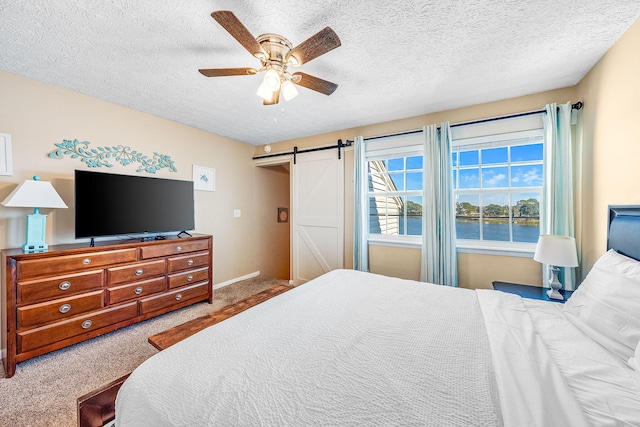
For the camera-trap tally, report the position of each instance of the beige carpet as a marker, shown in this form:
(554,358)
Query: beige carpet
(44,390)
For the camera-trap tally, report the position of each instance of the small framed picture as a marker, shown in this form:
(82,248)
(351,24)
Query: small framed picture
(283,214)
(6,161)
(204,178)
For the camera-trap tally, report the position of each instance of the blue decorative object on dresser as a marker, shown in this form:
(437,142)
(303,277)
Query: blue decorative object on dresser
(35,194)
(97,157)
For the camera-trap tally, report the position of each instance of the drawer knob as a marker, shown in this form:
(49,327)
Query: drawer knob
(64,308)
(189,278)
(179,249)
(86,324)
(139,272)
(138,290)
(190,262)
(179,297)
(86,261)
(64,285)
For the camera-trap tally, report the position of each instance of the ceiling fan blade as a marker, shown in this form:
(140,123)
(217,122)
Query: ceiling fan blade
(219,72)
(275,98)
(318,44)
(232,24)
(314,83)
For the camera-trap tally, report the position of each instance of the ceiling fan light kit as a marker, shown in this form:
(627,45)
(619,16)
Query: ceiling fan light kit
(276,54)
(264,92)
(272,80)
(289,91)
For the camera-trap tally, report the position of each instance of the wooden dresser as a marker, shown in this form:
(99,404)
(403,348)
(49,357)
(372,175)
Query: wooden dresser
(74,292)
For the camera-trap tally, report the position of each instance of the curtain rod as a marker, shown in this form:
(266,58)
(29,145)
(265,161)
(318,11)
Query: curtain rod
(295,151)
(577,106)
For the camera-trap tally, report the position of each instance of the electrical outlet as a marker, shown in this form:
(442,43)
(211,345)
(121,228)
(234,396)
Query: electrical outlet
(237,213)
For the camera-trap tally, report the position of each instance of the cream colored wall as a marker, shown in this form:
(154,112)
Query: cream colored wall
(272,190)
(38,115)
(405,262)
(478,271)
(395,261)
(611,145)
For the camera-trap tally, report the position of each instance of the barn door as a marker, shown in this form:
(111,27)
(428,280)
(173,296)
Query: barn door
(318,214)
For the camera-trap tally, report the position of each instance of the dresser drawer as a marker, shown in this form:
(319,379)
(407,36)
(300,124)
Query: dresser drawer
(174,248)
(177,297)
(45,335)
(135,290)
(63,308)
(58,287)
(133,272)
(187,261)
(188,277)
(61,264)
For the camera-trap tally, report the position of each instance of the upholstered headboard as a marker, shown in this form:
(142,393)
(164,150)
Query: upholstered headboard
(624,230)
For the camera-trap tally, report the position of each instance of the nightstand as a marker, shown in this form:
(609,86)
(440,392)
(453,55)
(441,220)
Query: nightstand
(526,291)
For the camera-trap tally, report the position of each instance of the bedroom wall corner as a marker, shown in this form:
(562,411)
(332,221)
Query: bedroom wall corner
(611,142)
(405,262)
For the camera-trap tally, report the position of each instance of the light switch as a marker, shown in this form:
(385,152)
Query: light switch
(237,213)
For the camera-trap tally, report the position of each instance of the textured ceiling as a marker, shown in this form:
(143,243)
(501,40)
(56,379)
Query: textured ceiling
(398,58)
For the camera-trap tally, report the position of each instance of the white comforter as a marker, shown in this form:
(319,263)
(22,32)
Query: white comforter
(352,348)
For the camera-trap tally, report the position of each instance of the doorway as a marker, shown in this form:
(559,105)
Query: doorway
(316,214)
(273,229)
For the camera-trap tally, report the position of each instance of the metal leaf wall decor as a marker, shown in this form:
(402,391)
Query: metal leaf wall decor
(99,156)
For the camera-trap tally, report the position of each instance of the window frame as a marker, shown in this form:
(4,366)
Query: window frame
(405,151)
(505,139)
(489,132)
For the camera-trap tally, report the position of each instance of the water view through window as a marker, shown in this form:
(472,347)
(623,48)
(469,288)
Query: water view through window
(497,191)
(524,229)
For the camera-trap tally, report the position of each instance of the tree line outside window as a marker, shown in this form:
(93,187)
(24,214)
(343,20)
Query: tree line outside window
(497,189)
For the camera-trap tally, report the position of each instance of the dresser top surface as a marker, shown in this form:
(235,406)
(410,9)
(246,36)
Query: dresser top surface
(99,246)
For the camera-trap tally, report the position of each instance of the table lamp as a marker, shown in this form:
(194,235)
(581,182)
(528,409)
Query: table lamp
(557,251)
(35,194)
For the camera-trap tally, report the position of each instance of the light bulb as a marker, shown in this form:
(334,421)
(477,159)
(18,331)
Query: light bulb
(264,92)
(272,80)
(289,90)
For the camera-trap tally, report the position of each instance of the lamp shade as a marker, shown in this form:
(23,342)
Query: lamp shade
(558,251)
(34,194)
(264,92)
(272,80)
(289,91)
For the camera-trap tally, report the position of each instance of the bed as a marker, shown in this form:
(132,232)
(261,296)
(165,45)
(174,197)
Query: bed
(353,348)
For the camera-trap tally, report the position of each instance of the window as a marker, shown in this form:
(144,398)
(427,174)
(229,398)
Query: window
(498,190)
(497,171)
(395,196)
(395,174)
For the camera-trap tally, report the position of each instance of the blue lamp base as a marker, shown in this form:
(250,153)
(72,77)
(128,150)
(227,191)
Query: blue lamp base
(36,227)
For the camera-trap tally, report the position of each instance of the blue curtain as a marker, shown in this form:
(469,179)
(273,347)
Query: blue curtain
(360,223)
(439,263)
(558,198)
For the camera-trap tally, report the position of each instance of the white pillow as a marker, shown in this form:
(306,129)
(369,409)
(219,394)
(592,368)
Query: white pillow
(606,306)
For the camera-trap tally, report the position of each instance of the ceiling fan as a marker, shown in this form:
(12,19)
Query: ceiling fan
(276,54)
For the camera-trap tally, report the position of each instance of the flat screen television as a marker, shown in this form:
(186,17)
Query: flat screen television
(111,204)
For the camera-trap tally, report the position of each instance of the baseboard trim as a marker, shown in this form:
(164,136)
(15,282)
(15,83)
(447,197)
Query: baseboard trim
(237,279)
